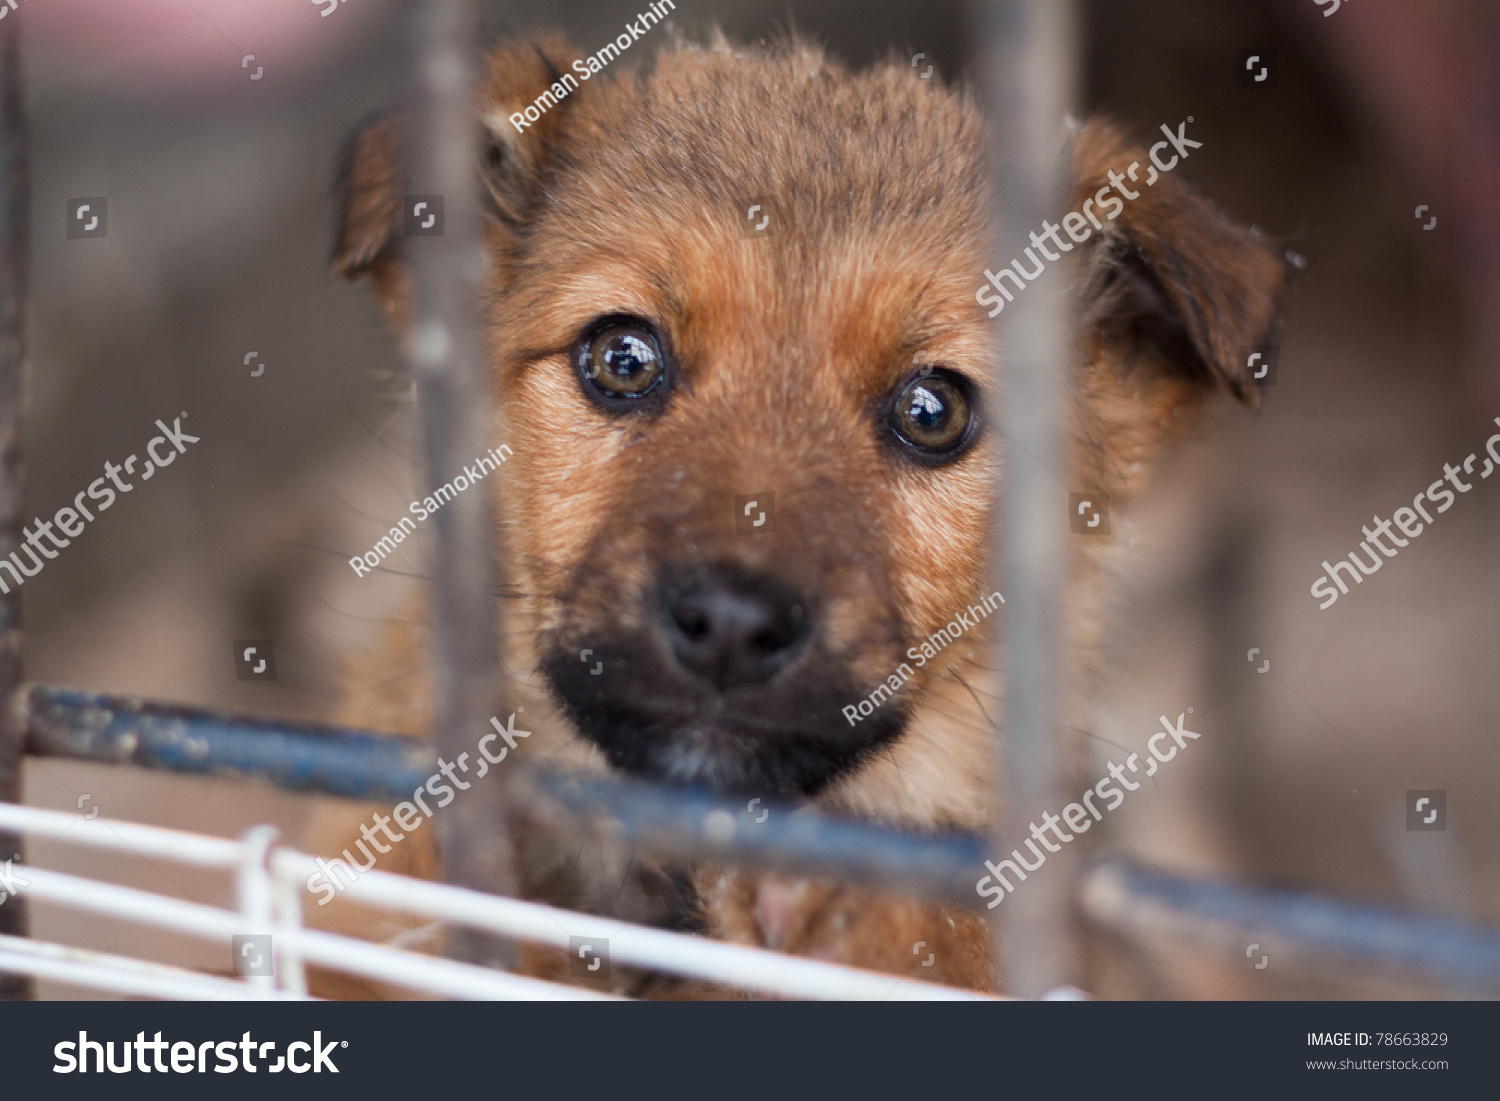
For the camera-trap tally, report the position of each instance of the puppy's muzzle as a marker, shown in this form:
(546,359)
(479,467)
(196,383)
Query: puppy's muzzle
(723,674)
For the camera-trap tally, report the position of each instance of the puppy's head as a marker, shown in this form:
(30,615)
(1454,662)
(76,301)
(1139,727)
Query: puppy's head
(736,338)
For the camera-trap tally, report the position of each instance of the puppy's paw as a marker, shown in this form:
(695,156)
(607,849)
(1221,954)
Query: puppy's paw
(826,921)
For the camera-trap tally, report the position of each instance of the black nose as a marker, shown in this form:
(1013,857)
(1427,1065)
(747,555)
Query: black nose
(733,627)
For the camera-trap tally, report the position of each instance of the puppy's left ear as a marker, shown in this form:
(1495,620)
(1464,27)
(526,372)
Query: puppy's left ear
(1172,288)
(510,157)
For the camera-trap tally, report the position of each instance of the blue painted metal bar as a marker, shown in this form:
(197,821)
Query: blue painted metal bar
(124,730)
(695,825)
(1144,902)
(689,824)
(357,764)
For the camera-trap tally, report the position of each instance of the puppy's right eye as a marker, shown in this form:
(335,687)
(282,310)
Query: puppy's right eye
(620,359)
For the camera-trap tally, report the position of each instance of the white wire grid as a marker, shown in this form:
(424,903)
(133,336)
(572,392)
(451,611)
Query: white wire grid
(270,883)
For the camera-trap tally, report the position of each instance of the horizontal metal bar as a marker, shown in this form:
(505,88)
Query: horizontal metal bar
(689,824)
(685,824)
(1143,902)
(125,974)
(732,965)
(362,765)
(124,730)
(123,837)
(382,962)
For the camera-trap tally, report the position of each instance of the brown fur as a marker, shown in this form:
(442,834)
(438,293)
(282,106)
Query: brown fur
(626,199)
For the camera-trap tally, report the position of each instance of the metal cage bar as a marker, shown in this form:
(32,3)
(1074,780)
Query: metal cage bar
(255,859)
(1138,902)
(15,229)
(1119,896)
(1027,78)
(123,730)
(452,390)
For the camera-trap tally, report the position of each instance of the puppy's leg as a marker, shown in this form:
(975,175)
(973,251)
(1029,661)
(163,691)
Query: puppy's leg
(388,691)
(822,920)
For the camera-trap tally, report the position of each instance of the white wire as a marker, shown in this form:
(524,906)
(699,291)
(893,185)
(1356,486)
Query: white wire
(392,965)
(104,833)
(253,888)
(654,949)
(125,975)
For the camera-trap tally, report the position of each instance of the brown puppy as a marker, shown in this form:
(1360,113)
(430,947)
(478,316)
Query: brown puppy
(661,365)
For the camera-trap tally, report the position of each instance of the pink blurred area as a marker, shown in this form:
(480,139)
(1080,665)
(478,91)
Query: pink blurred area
(157,45)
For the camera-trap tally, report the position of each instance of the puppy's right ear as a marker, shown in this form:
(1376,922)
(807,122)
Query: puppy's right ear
(1172,282)
(510,156)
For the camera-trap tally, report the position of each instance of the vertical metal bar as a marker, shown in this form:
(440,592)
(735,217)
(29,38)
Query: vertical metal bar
(286,905)
(442,143)
(14,234)
(1028,84)
(253,893)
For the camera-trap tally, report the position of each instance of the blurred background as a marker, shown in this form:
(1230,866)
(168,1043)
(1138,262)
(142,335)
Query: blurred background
(212,129)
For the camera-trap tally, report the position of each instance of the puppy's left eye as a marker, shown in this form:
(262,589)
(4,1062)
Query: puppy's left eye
(934,415)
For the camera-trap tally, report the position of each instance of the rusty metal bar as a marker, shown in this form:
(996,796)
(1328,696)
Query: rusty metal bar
(441,143)
(1028,74)
(15,218)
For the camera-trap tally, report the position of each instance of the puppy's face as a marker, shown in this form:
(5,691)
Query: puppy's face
(738,474)
(753,450)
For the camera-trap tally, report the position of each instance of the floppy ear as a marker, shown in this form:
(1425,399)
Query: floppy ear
(1170,284)
(510,159)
